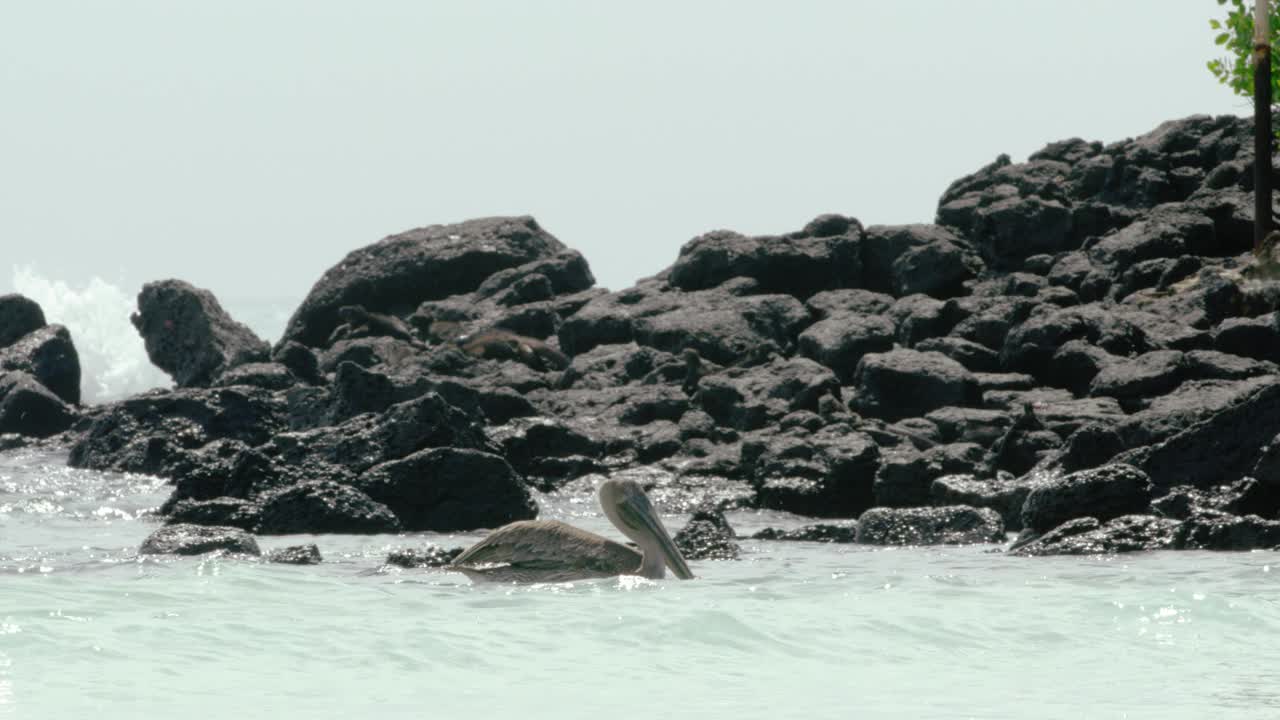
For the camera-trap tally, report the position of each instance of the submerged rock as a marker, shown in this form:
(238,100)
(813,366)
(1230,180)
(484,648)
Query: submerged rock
(296,555)
(707,536)
(427,556)
(187,539)
(950,525)
(1089,536)
(846,532)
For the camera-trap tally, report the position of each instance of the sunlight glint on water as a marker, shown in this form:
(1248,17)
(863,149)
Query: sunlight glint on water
(793,630)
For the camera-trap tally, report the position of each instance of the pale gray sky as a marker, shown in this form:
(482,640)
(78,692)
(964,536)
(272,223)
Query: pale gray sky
(247,146)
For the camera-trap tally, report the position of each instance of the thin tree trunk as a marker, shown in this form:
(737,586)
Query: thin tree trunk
(1261,122)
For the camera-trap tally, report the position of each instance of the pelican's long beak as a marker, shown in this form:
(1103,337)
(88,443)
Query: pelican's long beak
(642,516)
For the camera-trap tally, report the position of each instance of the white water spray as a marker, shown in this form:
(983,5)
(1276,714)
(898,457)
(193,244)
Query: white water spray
(113,360)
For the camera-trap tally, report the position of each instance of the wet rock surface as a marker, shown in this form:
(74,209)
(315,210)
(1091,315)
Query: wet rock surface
(296,555)
(422,557)
(1081,345)
(188,539)
(707,536)
(946,525)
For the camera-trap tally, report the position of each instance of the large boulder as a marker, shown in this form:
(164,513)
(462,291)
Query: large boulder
(48,355)
(449,490)
(840,340)
(323,507)
(725,329)
(1219,449)
(398,273)
(190,336)
(1089,536)
(823,256)
(1103,493)
(829,473)
(29,408)
(908,383)
(19,315)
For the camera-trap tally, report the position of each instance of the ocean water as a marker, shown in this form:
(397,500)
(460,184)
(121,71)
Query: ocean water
(803,630)
(793,630)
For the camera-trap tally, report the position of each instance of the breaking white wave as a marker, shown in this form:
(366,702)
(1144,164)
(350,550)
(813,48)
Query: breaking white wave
(113,360)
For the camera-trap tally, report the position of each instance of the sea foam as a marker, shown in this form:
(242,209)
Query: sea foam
(113,360)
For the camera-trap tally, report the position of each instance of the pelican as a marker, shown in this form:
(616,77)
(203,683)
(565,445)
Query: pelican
(551,551)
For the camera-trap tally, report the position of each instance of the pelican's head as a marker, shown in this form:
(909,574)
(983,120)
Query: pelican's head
(629,509)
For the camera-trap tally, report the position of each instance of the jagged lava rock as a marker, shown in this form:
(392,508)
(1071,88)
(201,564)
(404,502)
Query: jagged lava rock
(190,336)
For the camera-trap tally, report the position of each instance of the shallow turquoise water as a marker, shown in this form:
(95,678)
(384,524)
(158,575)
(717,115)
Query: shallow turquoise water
(794,630)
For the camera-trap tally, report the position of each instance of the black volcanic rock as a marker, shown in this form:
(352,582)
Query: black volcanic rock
(323,507)
(29,408)
(198,540)
(907,383)
(428,556)
(398,273)
(844,532)
(948,525)
(48,355)
(296,555)
(190,336)
(751,398)
(707,536)
(824,256)
(1102,493)
(1088,536)
(829,473)
(150,433)
(450,489)
(19,316)
(840,340)
(1220,448)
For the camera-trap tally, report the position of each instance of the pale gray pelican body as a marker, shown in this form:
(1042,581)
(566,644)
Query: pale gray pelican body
(551,551)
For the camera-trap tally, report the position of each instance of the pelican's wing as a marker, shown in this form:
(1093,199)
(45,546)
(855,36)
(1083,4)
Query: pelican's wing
(550,547)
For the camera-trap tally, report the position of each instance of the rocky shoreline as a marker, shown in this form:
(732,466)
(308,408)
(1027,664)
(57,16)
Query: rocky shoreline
(1082,348)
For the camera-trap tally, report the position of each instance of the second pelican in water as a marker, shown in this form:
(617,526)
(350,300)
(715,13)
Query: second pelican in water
(551,551)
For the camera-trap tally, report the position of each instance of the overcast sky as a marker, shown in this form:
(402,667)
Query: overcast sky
(247,146)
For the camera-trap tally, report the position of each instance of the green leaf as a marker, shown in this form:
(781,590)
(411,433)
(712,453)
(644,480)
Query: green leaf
(1215,24)
(1222,39)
